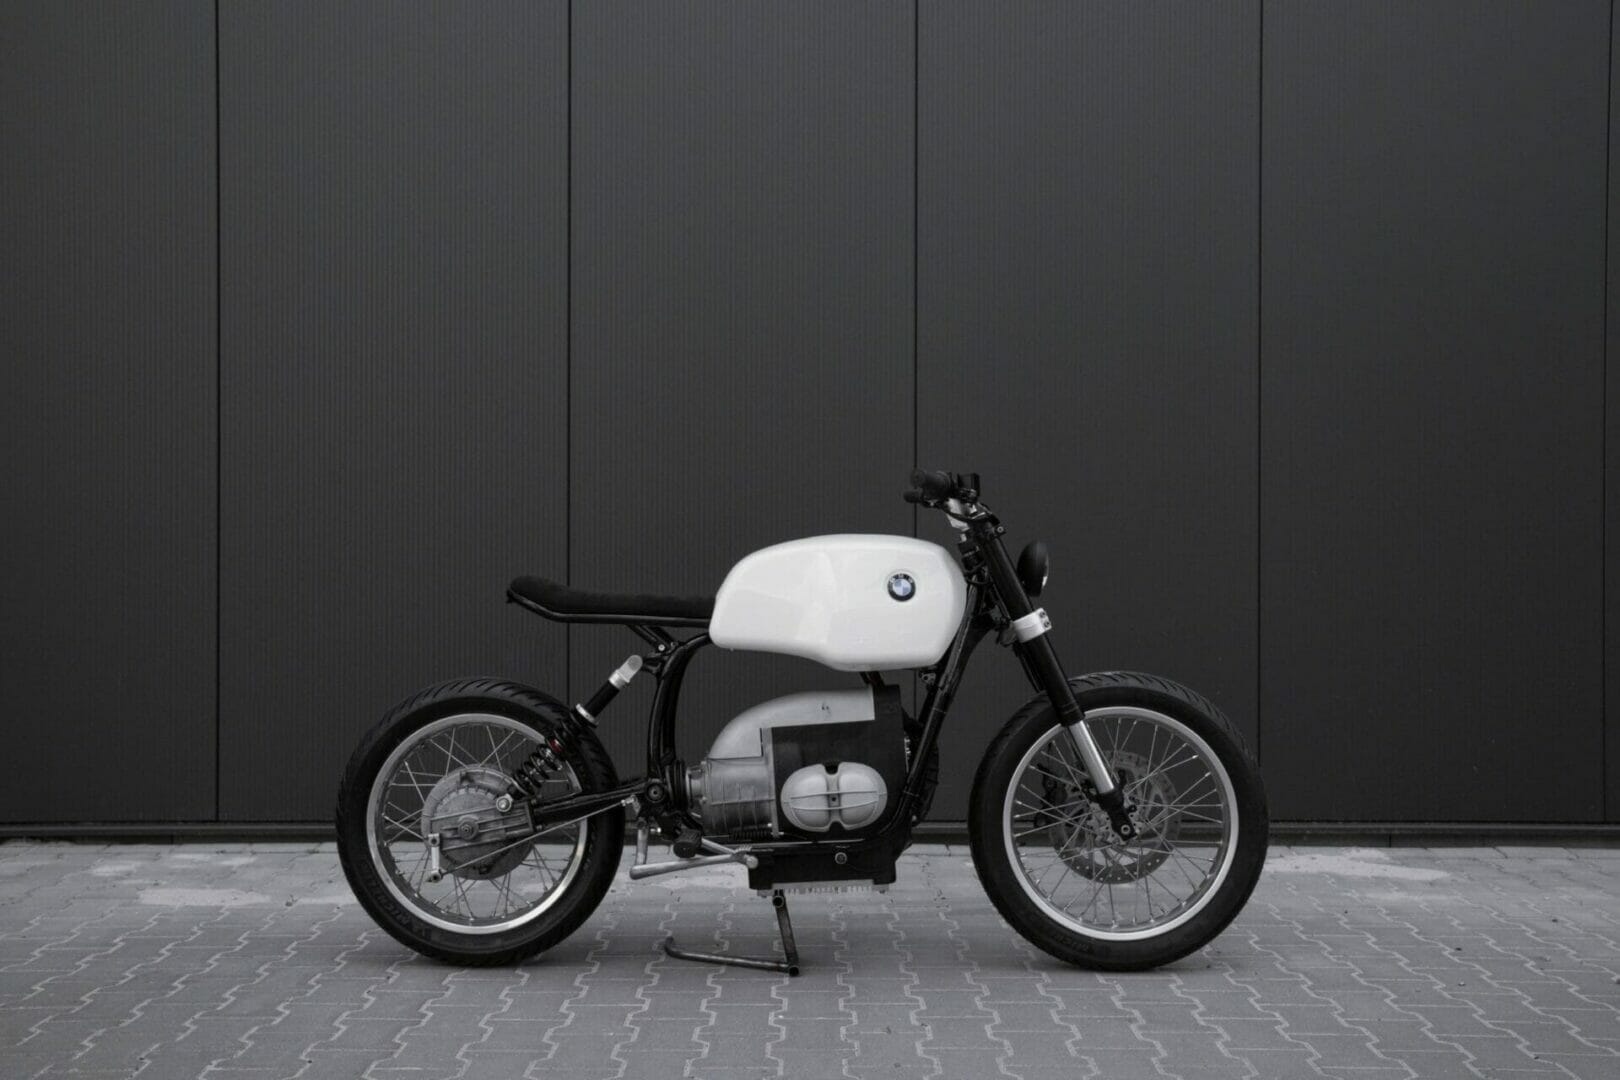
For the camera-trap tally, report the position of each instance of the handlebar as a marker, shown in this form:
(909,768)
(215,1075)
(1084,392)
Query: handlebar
(930,486)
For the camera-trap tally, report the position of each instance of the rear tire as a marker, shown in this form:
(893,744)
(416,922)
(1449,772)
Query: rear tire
(600,838)
(1043,920)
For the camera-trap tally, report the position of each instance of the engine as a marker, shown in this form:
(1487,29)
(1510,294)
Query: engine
(815,765)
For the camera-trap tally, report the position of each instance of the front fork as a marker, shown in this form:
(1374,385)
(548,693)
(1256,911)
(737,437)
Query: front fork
(1031,630)
(1038,654)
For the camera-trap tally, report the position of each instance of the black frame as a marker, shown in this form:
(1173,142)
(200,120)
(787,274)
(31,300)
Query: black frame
(996,597)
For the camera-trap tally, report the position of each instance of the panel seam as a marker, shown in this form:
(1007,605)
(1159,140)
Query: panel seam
(1603,440)
(568,338)
(1259,384)
(916,138)
(219,420)
(916,302)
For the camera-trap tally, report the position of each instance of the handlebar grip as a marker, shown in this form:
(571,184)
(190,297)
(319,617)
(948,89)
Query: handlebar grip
(931,484)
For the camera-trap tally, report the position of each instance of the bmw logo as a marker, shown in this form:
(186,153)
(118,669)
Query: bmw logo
(901,587)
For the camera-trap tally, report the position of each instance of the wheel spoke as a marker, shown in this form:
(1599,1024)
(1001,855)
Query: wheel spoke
(1176,853)
(540,865)
(403,829)
(1147,878)
(412,778)
(503,892)
(495,751)
(1052,776)
(1077,773)
(419,871)
(1192,755)
(1191,882)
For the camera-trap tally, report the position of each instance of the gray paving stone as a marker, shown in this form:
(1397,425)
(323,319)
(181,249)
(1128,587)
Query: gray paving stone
(1508,966)
(1583,1066)
(655,1064)
(585,1051)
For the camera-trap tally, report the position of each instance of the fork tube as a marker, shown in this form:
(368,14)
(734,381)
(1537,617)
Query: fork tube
(1034,648)
(1044,661)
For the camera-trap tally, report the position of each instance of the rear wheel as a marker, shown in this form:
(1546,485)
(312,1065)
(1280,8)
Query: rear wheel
(1050,861)
(434,833)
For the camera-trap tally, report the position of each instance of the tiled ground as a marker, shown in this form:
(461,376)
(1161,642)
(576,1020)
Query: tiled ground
(253,961)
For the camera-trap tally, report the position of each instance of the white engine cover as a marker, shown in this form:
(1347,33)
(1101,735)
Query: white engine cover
(828,599)
(851,795)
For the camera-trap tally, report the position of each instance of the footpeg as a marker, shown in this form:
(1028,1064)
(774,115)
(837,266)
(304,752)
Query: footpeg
(720,854)
(790,949)
(653,869)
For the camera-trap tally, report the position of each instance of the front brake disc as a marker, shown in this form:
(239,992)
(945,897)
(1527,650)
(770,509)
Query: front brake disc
(1086,842)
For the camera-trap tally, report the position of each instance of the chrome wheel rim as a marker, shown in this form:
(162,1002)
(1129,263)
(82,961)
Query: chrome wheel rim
(485,745)
(1067,859)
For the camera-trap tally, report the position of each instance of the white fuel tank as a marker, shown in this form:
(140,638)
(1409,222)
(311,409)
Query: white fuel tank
(853,602)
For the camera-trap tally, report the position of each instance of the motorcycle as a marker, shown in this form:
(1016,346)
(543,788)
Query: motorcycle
(1117,821)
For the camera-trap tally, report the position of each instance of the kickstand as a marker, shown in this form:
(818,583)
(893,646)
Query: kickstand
(790,951)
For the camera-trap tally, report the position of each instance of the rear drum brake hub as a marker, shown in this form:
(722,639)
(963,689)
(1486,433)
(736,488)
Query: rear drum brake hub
(476,839)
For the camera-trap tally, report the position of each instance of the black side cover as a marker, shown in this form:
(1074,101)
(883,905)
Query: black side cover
(878,743)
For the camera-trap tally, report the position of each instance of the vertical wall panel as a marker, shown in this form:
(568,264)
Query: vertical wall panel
(1432,403)
(107,415)
(1611,471)
(1086,322)
(394,363)
(742,351)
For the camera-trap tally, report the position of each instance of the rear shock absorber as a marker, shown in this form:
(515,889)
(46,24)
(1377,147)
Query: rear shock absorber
(530,776)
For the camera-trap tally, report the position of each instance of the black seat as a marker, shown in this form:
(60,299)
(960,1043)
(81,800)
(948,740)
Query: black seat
(557,601)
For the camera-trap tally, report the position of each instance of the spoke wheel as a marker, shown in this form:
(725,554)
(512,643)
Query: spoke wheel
(438,840)
(1048,856)
(451,771)
(1070,862)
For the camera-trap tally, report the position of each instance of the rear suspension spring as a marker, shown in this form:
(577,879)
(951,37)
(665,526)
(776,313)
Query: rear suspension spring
(530,776)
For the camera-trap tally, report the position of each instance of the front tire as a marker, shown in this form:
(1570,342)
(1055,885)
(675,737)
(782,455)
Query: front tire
(1056,872)
(448,754)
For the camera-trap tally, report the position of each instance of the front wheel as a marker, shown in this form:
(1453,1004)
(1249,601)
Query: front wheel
(1053,866)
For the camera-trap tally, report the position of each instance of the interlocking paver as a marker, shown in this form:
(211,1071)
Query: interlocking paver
(169,962)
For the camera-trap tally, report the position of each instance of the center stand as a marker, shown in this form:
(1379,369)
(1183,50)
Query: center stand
(790,951)
(719,853)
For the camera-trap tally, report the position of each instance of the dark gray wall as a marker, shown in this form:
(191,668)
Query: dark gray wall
(1432,408)
(107,411)
(1611,463)
(1284,323)
(393,182)
(741,301)
(1087,277)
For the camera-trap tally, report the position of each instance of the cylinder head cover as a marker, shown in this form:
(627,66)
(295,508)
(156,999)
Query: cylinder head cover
(817,797)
